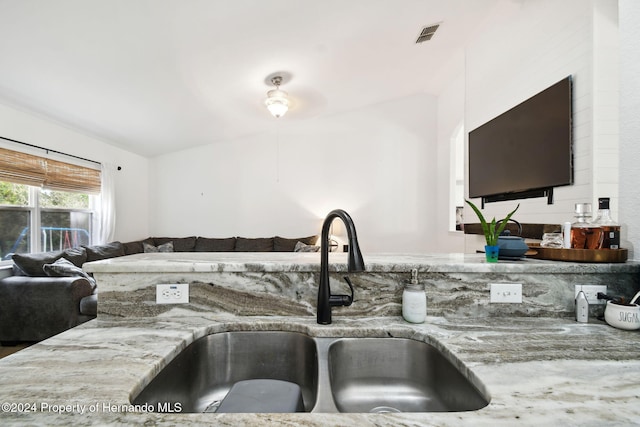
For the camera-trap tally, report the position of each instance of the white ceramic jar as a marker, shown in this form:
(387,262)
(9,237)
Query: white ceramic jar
(622,316)
(414,303)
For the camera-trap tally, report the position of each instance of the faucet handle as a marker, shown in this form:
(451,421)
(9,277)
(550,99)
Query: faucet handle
(342,300)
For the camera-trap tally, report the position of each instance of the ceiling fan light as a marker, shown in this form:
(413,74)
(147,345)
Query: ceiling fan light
(277,102)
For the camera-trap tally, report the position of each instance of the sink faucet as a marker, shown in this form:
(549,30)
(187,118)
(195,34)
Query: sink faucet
(356,263)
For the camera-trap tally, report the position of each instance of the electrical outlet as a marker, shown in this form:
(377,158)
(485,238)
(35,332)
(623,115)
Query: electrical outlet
(506,292)
(173,293)
(591,292)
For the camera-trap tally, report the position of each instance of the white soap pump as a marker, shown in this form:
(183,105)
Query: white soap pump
(414,300)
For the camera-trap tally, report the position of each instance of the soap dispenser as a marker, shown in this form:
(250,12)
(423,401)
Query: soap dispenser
(414,300)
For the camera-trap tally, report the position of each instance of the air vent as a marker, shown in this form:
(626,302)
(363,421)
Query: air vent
(427,33)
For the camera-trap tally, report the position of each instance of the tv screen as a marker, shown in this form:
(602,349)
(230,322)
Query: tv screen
(525,149)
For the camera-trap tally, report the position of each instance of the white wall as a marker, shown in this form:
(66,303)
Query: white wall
(542,43)
(605,100)
(450,118)
(629,15)
(377,163)
(388,164)
(131,181)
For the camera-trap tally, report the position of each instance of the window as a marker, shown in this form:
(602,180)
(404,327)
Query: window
(34,220)
(456,188)
(45,205)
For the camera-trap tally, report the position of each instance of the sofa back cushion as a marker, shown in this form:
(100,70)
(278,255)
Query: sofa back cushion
(260,244)
(33,264)
(205,244)
(110,250)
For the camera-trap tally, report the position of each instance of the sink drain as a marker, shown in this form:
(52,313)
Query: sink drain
(384,410)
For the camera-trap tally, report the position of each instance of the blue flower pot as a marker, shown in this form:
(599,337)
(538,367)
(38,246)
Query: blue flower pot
(491,253)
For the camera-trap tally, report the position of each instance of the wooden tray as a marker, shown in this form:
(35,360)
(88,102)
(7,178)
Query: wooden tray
(578,255)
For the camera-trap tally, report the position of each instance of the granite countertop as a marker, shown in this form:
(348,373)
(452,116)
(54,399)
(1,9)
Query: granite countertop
(538,371)
(203,262)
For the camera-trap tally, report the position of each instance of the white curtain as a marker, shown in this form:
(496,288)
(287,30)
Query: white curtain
(106,206)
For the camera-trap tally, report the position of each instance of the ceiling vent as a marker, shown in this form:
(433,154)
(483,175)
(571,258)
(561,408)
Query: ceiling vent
(427,33)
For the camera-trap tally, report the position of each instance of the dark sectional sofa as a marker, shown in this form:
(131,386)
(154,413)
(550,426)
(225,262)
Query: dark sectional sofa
(49,292)
(230,244)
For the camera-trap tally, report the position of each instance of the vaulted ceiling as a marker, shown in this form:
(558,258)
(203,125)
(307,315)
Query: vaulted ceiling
(155,76)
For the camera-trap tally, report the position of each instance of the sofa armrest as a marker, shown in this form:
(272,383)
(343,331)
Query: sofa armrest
(35,308)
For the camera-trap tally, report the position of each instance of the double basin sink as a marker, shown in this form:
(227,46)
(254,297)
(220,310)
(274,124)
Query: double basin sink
(333,374)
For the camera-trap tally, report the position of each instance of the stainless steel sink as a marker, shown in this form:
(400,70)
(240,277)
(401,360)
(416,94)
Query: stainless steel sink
(202,374)
(334,374)
(397,375)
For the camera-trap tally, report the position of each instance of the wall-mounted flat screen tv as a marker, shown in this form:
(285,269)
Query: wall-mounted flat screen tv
(526,151)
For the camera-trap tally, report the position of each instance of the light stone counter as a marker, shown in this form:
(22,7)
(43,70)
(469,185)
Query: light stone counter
(538,371)
(242,262)
(270,283)
(543,369)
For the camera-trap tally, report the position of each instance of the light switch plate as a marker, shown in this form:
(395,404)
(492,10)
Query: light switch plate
(506,293)
(172,293)
(591,292)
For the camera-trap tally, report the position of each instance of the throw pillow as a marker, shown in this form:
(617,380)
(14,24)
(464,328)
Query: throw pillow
(135,247)
(283,244)
(180,244)
(32,264)
(301,247)
(65,268)
(165,247)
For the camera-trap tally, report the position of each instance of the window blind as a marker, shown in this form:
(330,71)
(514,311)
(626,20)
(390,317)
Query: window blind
(22,168)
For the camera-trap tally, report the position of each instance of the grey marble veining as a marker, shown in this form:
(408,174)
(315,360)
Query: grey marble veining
(538,365)
(537,371)
(203,262)
(286,284)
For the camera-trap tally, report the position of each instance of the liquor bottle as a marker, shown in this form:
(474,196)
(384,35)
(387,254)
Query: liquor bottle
(585,234)
(611,239)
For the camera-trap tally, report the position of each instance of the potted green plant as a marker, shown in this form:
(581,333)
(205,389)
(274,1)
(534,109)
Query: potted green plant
(491,232)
